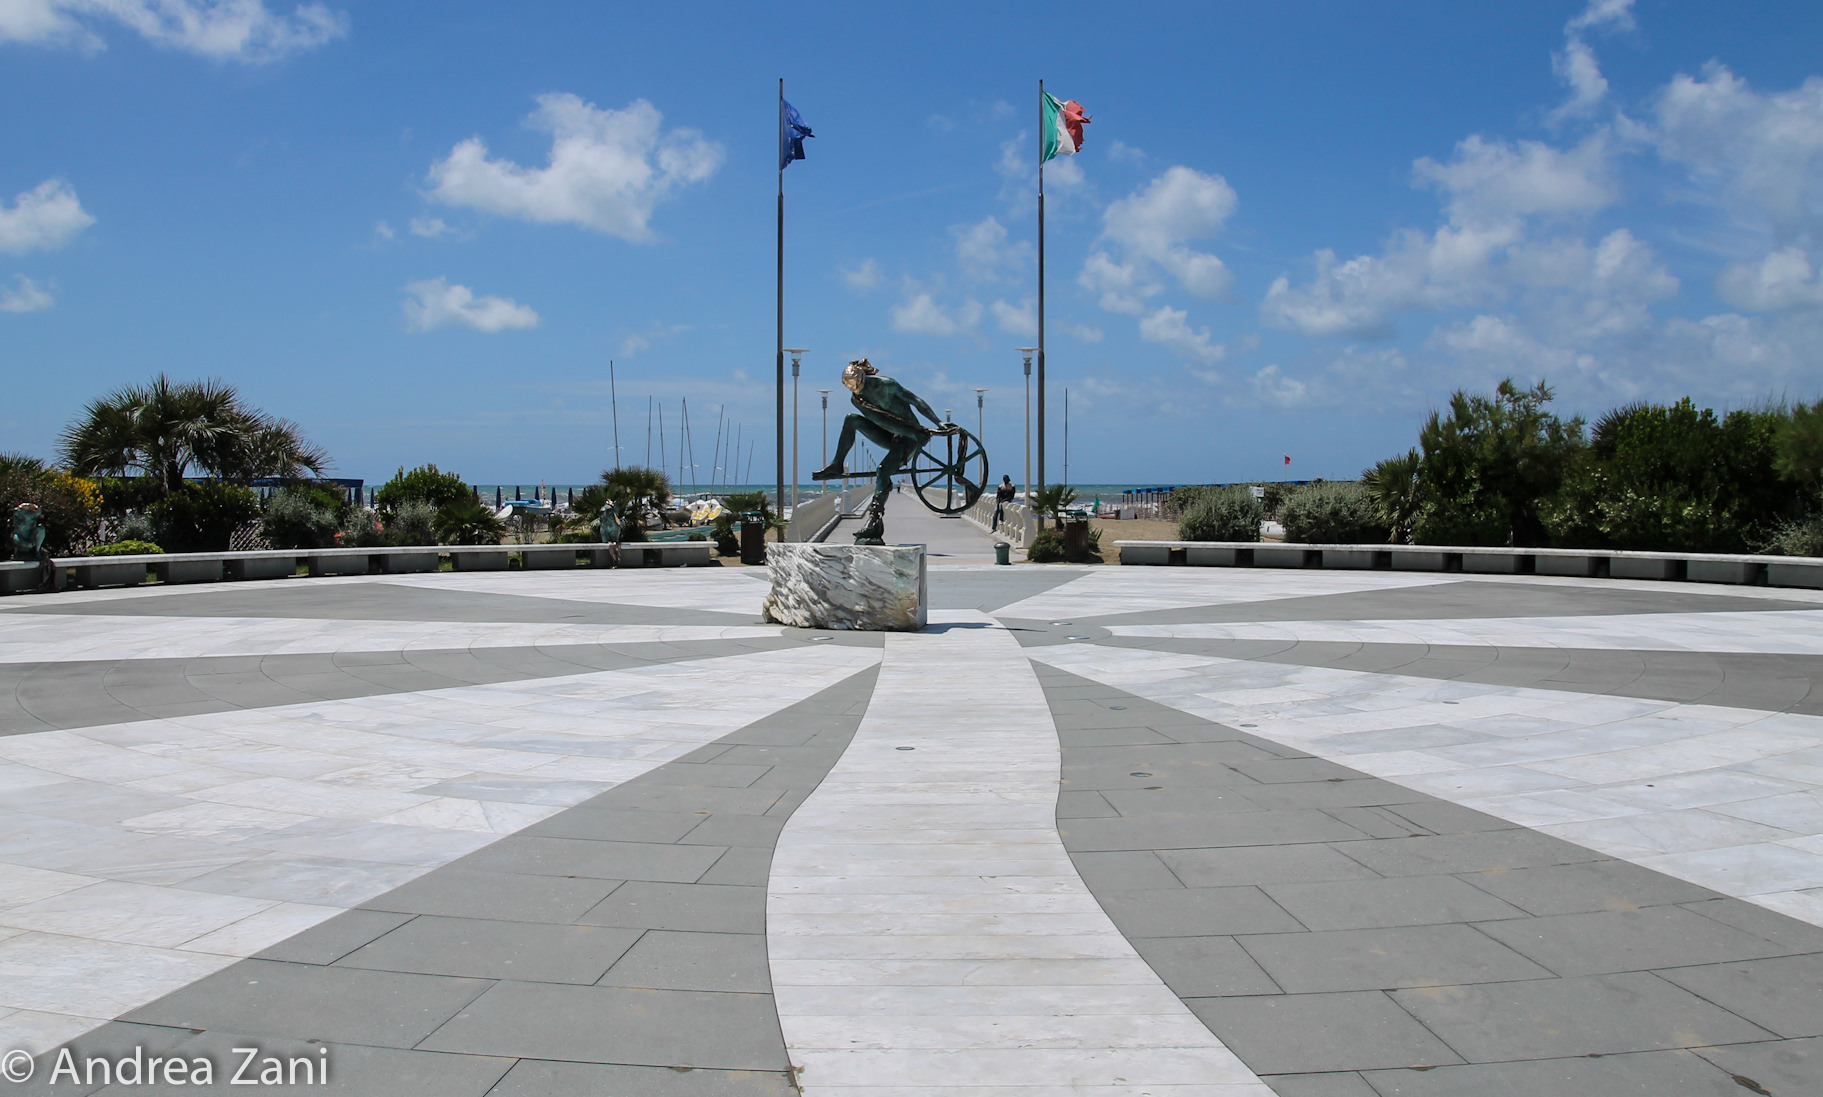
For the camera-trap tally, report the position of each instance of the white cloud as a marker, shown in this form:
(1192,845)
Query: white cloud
(1122,287)
(1272,386)
(1170,328)
(1494,182)
(27,297)
(1020,319)
(1084,332)
(982,249)
(1494,193)
(434,303)
(45,217)
(863,277)
(430,227)
(1576,65)
(1153,225)
(1018,170)
(1121,152)
(382,231)
(1763,152)
(920,314)
(607,168)
(1778,282)
(223,30)
(643,340)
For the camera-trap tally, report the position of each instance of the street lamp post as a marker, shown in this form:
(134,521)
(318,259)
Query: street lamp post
(825,463)
(1028,352)
(980,431)
(796,353)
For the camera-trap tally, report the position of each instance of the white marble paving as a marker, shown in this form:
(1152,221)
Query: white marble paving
(1103,591)
(926,929)
(722,590)
(41,638)
(137,857)
(1728,798)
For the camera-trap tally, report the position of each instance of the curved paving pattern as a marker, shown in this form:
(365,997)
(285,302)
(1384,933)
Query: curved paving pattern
(1161,831)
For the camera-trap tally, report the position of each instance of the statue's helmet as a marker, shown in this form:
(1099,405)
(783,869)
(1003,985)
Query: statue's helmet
(857,372)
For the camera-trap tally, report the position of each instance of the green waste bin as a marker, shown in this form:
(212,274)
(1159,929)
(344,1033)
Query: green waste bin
(1003,552)
(753,538)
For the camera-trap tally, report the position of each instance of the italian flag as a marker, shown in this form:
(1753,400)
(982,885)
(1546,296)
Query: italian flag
(1063,124)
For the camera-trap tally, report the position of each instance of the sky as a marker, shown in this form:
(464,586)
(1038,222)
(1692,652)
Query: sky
(424,230)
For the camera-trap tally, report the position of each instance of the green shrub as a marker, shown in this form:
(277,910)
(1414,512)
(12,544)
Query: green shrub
(1223,514)
(126,548)
(1489,465)
(1673,478)
(68,505)
(1273,496)
(697,537)
(299,518)
(413,523)
(468,523)
(1331,513)
(364,529)
(424,484)
(1796,538)
(1045,548)
(201,517)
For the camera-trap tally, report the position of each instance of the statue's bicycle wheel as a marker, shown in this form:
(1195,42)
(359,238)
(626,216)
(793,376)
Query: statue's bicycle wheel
(950,472)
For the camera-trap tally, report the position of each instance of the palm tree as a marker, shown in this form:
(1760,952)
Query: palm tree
(1052,499)
(163,429)
(1393,489)
(640,493)
(467,522)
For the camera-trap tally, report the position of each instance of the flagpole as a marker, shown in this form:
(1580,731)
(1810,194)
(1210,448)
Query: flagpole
(614,402)
(1041,480)
(779,358)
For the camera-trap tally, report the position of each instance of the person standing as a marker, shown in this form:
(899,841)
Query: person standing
(1002,496)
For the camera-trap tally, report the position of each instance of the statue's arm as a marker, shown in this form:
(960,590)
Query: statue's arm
(918,402)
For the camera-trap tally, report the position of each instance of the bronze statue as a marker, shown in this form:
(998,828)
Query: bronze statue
(28,532)
(886,413)
(610,523)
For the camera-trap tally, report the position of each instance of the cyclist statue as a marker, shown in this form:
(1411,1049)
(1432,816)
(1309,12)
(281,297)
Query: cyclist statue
(886,413)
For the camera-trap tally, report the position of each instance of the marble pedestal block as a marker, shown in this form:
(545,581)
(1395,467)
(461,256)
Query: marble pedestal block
(875,588)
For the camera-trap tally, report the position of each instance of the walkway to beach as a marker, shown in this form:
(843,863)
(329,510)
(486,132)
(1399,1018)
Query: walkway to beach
(1111,831)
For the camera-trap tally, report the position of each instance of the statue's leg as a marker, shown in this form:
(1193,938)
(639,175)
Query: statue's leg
(852,425)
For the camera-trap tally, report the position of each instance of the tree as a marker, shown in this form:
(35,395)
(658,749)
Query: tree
(640,493)
(1052,499)
(468,523)
(163,429)
(1673,478)
(1799,446)
(1392,490)
(1489,465)
(424,484)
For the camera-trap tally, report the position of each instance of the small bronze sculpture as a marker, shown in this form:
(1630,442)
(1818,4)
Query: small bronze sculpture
(28,532)
(887,414)
(610,523)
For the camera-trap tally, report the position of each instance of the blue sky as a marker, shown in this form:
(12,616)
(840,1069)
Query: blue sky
(422,230)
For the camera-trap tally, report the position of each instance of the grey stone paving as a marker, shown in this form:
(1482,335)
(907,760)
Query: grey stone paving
(1347,936)
(1464,600)
(615,948)
(93,692)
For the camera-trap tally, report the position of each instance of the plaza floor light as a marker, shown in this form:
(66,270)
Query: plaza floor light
(1028,352)
(797,354)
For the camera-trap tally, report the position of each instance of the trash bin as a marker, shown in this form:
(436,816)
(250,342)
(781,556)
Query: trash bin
(753,538)
(1003,552)
(1076,537)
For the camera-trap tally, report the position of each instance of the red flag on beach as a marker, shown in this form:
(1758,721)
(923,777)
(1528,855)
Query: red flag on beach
(1288,458)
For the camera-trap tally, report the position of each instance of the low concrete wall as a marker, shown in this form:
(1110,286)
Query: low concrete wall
(1739,570)
(90,572)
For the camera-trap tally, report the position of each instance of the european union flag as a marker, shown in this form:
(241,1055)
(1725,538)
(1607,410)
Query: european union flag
(792,132)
